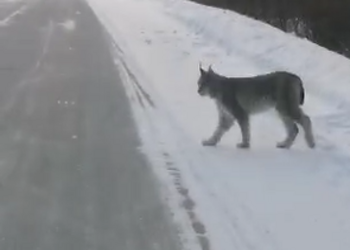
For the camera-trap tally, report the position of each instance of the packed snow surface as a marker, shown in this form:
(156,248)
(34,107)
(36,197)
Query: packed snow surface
(226,198)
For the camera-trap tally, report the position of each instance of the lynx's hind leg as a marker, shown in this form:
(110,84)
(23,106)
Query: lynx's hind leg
(291,129)
(244,124)
(305,122)
(298,116)
(289,107)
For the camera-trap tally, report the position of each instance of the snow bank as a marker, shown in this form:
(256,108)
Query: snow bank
(21,8)
(263,198)
(270,48)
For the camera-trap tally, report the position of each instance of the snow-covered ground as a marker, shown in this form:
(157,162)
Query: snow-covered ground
(224,198)
(10,9)
(10,1)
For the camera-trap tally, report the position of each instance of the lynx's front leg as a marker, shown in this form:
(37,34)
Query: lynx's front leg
(225,123)
(244,125)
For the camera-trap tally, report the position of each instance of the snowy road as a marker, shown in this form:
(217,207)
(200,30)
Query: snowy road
(71,175)
(224,198)
(75,94)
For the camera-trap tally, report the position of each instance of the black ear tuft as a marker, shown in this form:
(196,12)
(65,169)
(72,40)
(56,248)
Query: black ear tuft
(210,69)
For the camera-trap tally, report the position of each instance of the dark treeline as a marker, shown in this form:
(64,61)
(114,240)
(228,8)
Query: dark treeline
(325,22)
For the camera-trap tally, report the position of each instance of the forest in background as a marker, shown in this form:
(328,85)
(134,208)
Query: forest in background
(325,22)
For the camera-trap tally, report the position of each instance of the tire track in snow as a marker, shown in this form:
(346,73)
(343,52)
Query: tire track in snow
(188,203)
(6,21)
(136,92)
(141,93)
(30,76)
(236,230)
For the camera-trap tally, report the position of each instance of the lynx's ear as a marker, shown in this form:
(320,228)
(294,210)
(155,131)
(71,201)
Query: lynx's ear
(201,69)
(210,69)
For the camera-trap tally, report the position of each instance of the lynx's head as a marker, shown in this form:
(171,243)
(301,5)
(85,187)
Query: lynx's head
(205,81)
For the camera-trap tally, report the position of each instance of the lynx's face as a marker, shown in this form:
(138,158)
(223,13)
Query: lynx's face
(203,83)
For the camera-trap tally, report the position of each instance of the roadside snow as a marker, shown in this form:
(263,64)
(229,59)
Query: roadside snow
(222,197)
(69,25)
(10,1)
(20,8)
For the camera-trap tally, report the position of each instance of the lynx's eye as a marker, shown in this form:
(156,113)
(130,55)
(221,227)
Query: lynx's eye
(201,86)
(200,81)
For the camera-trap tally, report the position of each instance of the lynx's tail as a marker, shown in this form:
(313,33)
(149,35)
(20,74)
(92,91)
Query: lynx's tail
(302,93)
(300,90)
(295,94)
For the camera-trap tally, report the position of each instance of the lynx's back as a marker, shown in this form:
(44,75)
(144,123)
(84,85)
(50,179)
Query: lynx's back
(260,93)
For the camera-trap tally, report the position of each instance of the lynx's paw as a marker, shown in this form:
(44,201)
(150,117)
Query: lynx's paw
(310,141)
(209,142)
(312,145)
(244,145)
(283,145)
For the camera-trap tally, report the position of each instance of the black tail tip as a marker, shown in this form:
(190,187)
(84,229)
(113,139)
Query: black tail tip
(302,96)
